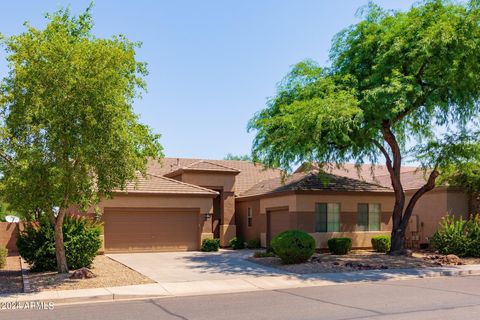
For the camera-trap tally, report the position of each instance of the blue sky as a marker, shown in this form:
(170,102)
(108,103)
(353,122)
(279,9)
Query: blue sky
(212,63)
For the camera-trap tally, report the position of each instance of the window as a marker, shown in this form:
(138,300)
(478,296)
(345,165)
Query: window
(368,217)
(249,217)
(327,217)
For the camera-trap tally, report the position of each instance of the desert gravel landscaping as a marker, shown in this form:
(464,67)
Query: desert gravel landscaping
(360,260)
(11,276)
(108,273)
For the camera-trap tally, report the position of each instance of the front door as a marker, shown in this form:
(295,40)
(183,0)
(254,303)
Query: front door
(277,221)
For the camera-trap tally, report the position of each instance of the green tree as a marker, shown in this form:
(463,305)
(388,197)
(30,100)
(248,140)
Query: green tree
(395,78)
(69,133)
(231,156)
(5,211)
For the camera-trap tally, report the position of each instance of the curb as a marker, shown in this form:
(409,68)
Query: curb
(108,296)
(25,279)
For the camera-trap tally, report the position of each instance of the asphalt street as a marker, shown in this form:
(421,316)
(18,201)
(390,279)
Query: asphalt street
(430,298)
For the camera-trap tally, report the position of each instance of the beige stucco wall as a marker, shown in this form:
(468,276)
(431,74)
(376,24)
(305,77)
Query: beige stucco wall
(359,239)
(433,206)
(8,236)
(302,208)
(348,201)
(204,204)
(210,179)
(258,221)
(225,184)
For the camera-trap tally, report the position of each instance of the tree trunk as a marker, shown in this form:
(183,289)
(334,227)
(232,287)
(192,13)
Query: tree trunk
(400,217)
(399,228)
(62,266)
(398,241)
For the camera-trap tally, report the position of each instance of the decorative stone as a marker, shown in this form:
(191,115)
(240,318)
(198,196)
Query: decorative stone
(83,273)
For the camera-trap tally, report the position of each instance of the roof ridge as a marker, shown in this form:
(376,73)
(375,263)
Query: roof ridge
(402,172)
(183,183)
(268,179)
(210,162)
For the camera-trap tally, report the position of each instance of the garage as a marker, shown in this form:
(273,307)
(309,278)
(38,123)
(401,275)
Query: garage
(151,229)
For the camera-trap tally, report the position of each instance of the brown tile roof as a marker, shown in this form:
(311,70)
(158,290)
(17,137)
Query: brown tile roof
(249,173)
(412,177)
(313,181)
(162,185)
(203,165)
(411,180)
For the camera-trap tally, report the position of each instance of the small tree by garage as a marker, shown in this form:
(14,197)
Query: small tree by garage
(69,135)
(396,80)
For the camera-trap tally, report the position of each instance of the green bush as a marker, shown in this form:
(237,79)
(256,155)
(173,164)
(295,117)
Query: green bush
(339,245)
(263,254)
(381,243)
(36,243)
(209,245)
(236,243)
(254,244)
(3,257)
(293,246)
(458,236)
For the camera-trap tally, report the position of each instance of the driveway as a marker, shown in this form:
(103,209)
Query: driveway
(170,267)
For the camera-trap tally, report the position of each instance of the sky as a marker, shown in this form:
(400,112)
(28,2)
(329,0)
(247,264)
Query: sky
(212,63)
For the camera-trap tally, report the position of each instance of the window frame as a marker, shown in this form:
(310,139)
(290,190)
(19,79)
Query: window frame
(249,217)
(322,217)
(364,219)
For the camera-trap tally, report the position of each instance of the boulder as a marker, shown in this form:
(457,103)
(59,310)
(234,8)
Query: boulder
(453,259)
(83,273)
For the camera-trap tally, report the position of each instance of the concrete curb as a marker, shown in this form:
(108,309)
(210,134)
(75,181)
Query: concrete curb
(25,279)
(156,290)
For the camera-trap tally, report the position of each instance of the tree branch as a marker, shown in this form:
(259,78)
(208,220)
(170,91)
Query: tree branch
(420,192)
(388,160)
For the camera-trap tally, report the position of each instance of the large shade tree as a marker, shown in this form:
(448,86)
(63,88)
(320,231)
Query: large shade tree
(396,80)
(69,135)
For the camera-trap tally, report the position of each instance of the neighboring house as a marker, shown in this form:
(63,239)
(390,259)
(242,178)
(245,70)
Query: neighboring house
(182,201)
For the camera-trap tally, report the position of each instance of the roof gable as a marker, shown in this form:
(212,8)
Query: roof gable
(163,185)
(249,173)
(313,181)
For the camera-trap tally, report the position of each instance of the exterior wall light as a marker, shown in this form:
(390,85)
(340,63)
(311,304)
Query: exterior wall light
(207,216)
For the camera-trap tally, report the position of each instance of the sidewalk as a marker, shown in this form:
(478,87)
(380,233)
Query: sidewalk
(206,287)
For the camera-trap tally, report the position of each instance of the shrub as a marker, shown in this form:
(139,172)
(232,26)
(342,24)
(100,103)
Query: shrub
(36,244)
(254,244)
(209,245)
(458,236)
(263,254)
(381,243)
(236,243)
(293,246)
(3,257)
(339,245)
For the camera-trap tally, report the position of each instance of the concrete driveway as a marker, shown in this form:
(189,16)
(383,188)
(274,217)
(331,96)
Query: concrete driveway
(171,267)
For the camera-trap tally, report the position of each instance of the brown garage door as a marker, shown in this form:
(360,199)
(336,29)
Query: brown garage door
(149,229)
(278,221)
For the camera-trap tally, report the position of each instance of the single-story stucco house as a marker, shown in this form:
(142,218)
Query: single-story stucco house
(182,201)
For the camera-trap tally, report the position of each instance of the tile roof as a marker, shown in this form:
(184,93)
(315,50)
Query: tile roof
(411,177)
(249,173)
(254,179)
(163,185)
(203,165)
(313,181)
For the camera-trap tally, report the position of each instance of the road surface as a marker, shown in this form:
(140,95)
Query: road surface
(431,298)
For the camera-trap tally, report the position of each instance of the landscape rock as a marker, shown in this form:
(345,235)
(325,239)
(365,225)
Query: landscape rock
(83,273)
(449,259)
